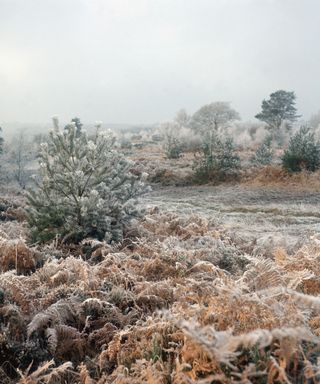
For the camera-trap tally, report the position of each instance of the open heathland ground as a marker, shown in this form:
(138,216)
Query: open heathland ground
(215,283)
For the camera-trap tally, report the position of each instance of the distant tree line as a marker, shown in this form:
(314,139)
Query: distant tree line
(216,158)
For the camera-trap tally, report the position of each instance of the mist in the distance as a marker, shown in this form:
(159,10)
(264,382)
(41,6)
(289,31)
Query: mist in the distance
(125,61)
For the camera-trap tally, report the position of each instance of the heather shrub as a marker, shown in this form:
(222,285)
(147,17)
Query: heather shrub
(303,152)
(85,188)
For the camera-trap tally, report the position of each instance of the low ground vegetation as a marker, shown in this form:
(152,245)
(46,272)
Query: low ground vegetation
(98,288)
(179,301)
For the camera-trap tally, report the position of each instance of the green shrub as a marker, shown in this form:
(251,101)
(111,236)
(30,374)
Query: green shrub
(217,160)
(171,142)
(172,147)
(85,189)
(303,152)
(264,152)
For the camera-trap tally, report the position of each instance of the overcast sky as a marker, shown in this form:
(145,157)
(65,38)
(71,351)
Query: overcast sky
(139,61)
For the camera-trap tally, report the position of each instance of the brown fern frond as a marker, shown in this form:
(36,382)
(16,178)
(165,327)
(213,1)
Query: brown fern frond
(58,373)
(66,342)
(85,377)
(58,313)
(301,299)
(263,273)
(102,337)
(52,339)
(223,345)
(36,375)
(296,278)
(277,372)
(14,254)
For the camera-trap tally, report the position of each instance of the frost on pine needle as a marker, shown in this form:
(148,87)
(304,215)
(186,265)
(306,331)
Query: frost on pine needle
(85,189)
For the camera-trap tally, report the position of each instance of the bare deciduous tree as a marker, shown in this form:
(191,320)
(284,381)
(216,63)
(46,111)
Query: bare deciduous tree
(20,154)
(214,117)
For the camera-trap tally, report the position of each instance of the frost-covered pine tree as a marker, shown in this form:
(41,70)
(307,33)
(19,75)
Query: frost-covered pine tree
(303,152)
(217,159)
(85,188)
(264,152)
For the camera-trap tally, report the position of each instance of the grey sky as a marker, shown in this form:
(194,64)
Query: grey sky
(139,61)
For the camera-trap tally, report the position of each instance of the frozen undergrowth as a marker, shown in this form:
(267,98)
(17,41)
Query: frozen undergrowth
(253,212)
(185,299)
